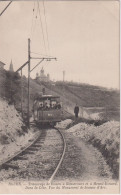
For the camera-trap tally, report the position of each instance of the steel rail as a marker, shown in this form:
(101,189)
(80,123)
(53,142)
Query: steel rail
(62,156)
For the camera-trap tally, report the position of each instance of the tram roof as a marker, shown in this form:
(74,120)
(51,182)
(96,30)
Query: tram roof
(43,97)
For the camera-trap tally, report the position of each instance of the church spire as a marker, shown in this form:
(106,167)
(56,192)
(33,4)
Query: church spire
(42,72)
(11,67)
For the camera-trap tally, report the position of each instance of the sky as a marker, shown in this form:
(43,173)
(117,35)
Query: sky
(82,35)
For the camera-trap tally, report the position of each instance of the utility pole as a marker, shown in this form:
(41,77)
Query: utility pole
(63,87)
(28,81)
(63,76)
(29,71)
(21,94)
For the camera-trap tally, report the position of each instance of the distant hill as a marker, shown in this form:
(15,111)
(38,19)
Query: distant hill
(92,96)
(91,99)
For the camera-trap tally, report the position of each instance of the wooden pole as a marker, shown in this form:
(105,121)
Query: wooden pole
(63,76)
(21,94)
(28,82)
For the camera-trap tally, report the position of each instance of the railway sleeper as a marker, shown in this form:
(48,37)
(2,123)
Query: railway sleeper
(8,165)
(27,152)
(40,141)
(32,149)
(20,158)
(36,146)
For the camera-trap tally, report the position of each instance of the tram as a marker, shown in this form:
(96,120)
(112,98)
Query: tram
(47,109)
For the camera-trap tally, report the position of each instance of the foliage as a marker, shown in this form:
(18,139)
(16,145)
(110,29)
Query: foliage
(12,87)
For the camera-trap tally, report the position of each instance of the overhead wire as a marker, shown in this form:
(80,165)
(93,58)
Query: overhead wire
(37,15)
(35,19)
(5,8)
(41,54)
(41,26)
(32,21)
(46,26)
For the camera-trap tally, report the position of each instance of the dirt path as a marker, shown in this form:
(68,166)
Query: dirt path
(82,161)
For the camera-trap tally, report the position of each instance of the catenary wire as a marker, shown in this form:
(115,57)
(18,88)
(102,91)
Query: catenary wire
(46,26)
(32,20)
(41,25)
(41,54)
(35,19)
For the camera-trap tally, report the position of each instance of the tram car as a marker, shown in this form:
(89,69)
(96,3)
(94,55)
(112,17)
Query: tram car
(47,109)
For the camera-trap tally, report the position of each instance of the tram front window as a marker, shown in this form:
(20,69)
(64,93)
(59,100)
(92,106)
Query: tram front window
(47,104)
(53,104)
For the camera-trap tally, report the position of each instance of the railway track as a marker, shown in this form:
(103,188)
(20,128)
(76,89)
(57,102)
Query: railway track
(62,156)
(48,149)
(19,155)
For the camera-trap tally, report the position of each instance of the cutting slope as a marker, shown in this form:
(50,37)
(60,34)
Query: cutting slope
(13,133)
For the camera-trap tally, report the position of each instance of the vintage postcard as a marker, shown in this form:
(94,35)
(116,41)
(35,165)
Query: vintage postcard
(59,97)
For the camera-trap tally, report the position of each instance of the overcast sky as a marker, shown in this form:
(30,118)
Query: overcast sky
(83,35)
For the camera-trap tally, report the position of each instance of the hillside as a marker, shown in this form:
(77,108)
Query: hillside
(94,101)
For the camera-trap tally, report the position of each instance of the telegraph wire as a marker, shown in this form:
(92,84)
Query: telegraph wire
(5,8)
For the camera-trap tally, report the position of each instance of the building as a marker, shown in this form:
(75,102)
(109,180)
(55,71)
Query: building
(42,76)
(2,65)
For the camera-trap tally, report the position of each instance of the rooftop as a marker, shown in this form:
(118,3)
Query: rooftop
(47,97)
(2,63)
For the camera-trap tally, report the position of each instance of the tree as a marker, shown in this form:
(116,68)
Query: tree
(12,87)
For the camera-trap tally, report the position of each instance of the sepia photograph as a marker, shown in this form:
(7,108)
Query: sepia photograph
(60,97)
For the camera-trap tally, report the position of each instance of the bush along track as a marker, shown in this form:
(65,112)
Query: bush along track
(110,156)
(105,138)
